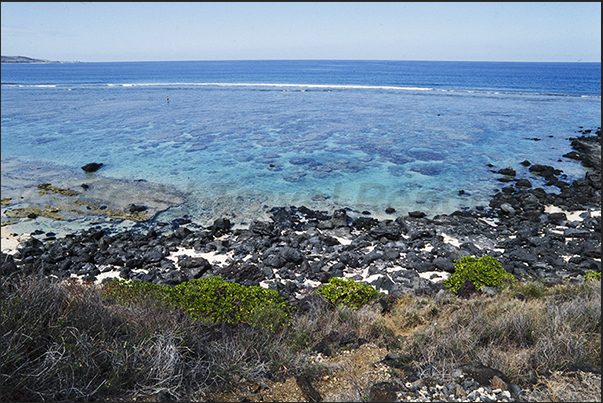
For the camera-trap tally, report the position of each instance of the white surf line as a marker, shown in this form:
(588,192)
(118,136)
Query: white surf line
(275,85)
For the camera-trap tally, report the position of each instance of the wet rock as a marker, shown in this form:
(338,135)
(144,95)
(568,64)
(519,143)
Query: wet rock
(340,218)
(546,171)
(523,183)
(283,256)
(416,214)
(188,262)
(154,255)
(350,259)
(364,222)
(92,167)
(389,231)
(134,208)
(507,171)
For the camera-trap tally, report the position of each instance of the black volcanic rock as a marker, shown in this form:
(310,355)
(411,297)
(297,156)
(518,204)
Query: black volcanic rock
(507,171)
(92,167)
(416,214)
(546,171)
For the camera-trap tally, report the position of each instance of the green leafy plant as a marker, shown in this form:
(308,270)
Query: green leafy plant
(348,292)
(592,275)
(485,271)
(221,301)
(212,299)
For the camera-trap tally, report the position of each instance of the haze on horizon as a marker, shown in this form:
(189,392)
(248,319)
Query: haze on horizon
(103,32)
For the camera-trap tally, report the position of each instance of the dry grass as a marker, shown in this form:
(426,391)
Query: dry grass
(335,326)
(547,332)
(561,387)
(65,342)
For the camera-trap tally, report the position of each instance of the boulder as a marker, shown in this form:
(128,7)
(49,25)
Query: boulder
(384,392)
(221,225)
(133,208)
(482,374)
(523,183)
(416,214)
(92,167)
(507,171)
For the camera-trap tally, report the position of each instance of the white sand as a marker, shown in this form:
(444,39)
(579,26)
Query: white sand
(450,240)
(212,257)
(343,241)
(442,275)
(107,274)
(10,241)
(571,215)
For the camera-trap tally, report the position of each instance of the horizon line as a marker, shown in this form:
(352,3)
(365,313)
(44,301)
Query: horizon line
(46,61)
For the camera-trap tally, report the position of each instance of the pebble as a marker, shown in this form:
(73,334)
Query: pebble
(468,391)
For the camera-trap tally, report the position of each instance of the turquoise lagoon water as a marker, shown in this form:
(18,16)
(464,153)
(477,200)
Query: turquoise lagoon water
(239,137)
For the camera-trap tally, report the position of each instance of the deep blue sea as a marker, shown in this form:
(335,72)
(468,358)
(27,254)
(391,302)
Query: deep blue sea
(360,134)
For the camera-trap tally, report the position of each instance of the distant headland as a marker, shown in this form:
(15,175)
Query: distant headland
(23,59)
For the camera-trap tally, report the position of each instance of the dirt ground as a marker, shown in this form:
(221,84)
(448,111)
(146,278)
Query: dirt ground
(349,377)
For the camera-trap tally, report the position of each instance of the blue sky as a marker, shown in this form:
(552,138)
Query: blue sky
(539,32)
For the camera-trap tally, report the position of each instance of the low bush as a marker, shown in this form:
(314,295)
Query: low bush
(212,299)
(348,292)
(485,271)
(222,301)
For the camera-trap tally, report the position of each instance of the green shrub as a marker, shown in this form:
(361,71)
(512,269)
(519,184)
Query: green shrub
(348,292)
(483,271)
(592,275)
(212,299)
(221,301)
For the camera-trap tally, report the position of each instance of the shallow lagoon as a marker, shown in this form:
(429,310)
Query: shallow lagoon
(236,149)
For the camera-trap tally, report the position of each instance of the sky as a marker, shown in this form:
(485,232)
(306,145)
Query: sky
(155,31)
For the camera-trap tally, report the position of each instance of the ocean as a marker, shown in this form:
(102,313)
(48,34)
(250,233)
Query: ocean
(235,138)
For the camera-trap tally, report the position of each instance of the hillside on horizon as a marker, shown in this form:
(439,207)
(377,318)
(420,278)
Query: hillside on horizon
(24,59)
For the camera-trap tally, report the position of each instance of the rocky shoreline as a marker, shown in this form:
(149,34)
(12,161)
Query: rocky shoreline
(533,233)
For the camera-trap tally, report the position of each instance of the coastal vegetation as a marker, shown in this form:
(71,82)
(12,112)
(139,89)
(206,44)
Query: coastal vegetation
(347,292)
(126,340)
(483,271)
